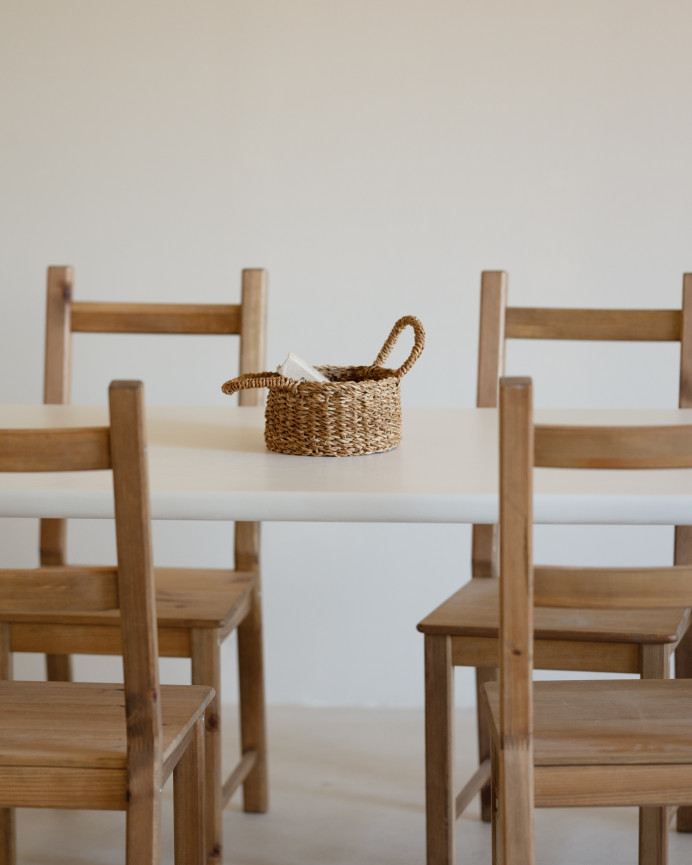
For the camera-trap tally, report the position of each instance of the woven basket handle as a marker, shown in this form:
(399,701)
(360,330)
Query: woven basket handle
(418,344)
(250,380)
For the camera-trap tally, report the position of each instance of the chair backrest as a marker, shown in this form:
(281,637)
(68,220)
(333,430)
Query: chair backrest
(130,586)
(65,316)
(500,322)
(524,445)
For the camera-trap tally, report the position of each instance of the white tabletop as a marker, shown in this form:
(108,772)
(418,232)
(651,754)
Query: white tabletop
(211,464)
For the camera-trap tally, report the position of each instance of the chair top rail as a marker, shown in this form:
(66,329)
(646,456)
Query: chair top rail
(51,450)
(173,318)
(638,325)
(619,447)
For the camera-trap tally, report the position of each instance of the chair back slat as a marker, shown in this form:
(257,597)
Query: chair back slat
(49,450)
(625,447)
(59,590)
(637,325)
(613,588)
(175,318)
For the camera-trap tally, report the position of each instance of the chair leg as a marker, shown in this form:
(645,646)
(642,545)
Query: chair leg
(59,668)
(440,813)
(188,801)
(8,849)
(495,806)
(653,822)
(653,836)
(5,651)
(515,806)
(483,675)
(683,670)
(253,735)
(143,824)
(206,670)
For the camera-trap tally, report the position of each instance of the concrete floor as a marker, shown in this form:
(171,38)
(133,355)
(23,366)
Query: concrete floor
(346,787)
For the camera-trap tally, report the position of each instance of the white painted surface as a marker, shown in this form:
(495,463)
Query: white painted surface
(211,464)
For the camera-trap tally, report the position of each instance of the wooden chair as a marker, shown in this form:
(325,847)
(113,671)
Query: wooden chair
(197,608)
(467,623)
(88,746)
(588,743)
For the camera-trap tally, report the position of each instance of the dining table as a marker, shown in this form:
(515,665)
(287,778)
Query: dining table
(211,463)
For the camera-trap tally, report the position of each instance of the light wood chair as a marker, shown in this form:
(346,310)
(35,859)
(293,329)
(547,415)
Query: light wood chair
(88,746)
(587,743)
(465,626)
(197,608)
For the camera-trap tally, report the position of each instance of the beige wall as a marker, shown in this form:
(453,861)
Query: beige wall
(374,155)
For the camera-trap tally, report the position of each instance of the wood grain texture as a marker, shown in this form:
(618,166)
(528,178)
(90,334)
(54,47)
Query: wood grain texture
(573,730)
(614,588)
(491,337)
(58,346)
(63,449)
(58,590)
(654,821)
(6,665)
(473,611)
(253,330)
(138,624)
(685,399)
(57,382)
(81,639)
(188,801)
(8,836)
(59,736)
(206,670)
(237,777)
(484,551)
(187,599)
(593,447)
(639,325)
(180,318)
(606,639)
(483,676)
(439,747)
(617,722)
(577,655)
(593,786)
(515,720)
(253,725)
(97,746)
(683,534)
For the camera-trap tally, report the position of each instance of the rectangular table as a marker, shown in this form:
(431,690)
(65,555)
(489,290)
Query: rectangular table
(211,464)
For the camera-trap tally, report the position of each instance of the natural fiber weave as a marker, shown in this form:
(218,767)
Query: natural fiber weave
(358,411)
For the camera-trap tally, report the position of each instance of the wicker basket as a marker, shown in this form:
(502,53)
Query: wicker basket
(357,412)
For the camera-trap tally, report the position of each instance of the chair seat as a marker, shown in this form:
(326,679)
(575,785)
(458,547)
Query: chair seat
(611,722)
(185,598)
(473,612)
(44,724)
